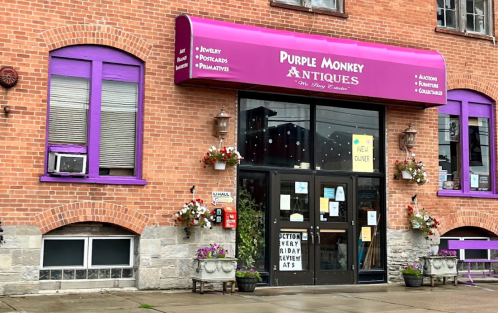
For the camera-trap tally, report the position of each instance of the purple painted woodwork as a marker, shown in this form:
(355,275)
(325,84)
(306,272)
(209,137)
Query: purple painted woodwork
(220,51)
(467,103)
(66,148)
(97,62)
(473,245)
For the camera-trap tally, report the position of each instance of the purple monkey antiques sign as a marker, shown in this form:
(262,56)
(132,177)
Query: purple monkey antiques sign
(210,50)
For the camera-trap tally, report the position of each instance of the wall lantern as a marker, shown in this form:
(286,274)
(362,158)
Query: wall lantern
(222,122)
(407,138)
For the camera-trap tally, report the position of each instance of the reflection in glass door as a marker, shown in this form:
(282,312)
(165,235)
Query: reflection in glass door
(312,230)
(293,230)
(333,257)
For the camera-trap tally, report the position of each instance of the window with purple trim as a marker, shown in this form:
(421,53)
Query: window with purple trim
(94,116)
(466,145)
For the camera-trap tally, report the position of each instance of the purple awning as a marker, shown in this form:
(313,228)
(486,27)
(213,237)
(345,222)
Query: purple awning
(217,53)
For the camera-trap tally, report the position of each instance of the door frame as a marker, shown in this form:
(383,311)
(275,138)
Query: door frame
(327,277)
(310,277)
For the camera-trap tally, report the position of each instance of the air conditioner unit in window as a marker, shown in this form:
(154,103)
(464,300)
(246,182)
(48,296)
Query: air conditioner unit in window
(66,163)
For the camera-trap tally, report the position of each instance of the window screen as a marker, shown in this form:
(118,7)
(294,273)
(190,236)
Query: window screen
(110,252)
(63,252)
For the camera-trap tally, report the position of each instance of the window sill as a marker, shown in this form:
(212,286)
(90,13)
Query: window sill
(459,193)
(99,180)
(305,9)
(463,34)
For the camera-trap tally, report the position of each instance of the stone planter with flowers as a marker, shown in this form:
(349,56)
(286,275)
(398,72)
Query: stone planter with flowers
(213,265)
(442,264)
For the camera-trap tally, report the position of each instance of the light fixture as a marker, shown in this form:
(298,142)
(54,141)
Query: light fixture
(407,138)
(222,122)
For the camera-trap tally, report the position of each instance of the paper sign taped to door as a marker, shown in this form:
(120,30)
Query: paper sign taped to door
(329,193)
(366,234)
(285,202)
(324,205)
(301,187)
(290,253)
(334,208)
(372,218)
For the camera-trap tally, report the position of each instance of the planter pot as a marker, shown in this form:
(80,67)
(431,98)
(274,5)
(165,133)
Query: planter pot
(438,265)
(215,269)
(220,166)
(413,280)
(406,175)
(246,284)
(415,225)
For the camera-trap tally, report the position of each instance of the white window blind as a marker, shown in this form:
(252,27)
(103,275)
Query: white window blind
(118,124)
(69,98)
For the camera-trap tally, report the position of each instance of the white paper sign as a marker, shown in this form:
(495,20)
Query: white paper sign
(285,202)
(474,181)
(334,208)
(302,187)
(305,236)
(290,253)
(339,195)
(296,217)
(372,218)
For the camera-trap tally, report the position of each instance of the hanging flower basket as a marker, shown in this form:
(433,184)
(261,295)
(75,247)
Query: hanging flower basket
(411,170)
(220,166)
(194,213)
(220,158)
(406,175)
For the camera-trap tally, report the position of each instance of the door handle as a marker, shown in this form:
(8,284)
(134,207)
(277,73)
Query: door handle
(318,236)
(312,238)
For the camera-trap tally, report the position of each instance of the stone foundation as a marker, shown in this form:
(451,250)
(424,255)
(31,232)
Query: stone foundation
(20,260)
(165,258)
(404,246)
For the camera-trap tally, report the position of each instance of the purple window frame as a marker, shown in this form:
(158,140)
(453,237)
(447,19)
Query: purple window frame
(60,64)
(465,104)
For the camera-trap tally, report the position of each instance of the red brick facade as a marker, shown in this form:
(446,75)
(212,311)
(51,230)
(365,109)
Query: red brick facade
(178,121)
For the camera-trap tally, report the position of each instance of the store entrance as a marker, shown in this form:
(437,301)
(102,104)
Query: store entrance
(312,230)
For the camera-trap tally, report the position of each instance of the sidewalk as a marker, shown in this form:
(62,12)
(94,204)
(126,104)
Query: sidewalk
(327,299)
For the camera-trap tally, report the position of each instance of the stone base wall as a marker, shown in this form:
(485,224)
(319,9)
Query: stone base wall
(404,246)
(20,260)
(165,259)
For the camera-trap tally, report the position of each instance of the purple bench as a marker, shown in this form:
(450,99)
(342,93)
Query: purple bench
(474,245)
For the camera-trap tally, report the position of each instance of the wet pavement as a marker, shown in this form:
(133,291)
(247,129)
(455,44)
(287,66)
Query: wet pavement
(393,298)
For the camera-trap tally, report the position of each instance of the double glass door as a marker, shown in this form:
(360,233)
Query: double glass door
(312,226)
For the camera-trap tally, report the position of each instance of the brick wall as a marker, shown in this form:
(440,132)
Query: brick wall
(178,120)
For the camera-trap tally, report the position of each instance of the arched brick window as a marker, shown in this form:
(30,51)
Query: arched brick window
(94,119)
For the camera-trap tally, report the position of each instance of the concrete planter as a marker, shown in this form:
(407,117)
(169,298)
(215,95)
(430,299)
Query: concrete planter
(438,265)
(215,269)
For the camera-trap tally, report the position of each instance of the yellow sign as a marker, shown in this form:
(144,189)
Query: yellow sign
(362,153)
(324,205)
(366,234)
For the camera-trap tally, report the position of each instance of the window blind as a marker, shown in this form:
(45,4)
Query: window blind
(69,98)
(118,124)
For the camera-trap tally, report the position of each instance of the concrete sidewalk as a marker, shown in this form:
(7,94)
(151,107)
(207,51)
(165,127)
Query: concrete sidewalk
(337,299)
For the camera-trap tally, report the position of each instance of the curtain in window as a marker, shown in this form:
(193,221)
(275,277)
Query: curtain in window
(118,124)
(69,98)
